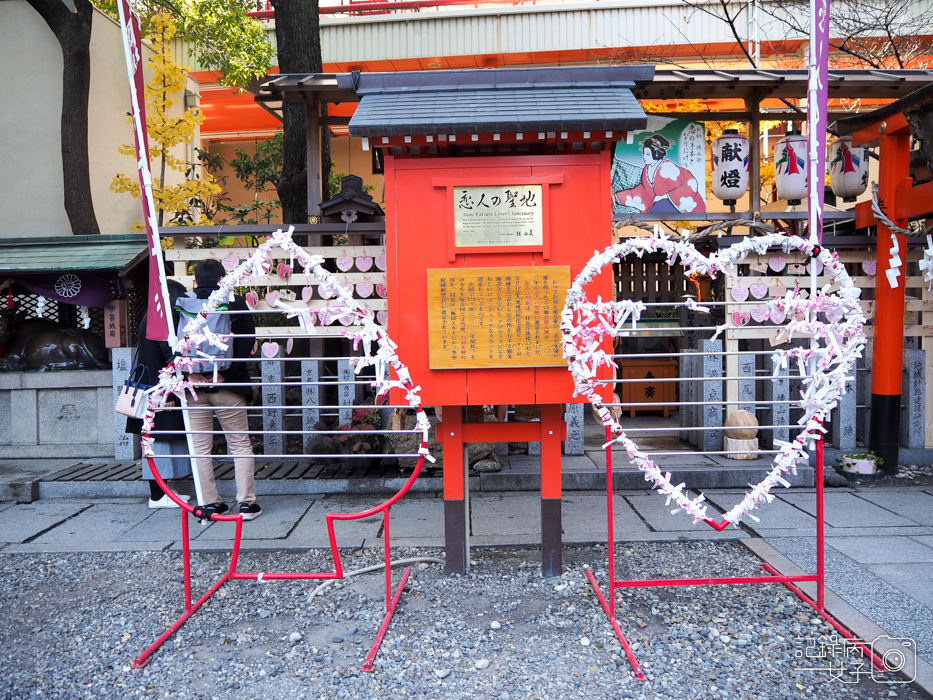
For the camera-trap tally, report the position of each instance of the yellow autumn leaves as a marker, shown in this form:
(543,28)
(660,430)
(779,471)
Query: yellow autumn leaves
(168,130)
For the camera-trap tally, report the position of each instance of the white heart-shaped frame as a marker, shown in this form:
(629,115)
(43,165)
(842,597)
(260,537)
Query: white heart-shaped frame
(379,351)
(585,325)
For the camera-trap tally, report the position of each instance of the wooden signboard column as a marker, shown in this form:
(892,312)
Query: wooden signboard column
(481,253)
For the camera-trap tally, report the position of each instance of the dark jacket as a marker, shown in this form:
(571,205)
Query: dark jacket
(244,331)
(154,355)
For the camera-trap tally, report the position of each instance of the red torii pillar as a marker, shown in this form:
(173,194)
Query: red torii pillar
(888,342)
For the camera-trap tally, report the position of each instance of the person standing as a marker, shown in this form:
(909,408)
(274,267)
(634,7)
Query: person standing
(227,400)
(171,449)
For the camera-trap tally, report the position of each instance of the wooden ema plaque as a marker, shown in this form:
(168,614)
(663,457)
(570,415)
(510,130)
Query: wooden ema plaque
(496,316)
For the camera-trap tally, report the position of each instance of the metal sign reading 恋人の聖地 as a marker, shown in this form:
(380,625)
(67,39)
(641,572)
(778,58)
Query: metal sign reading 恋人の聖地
(500,215)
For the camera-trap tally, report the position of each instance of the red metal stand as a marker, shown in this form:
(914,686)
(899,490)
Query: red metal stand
(608,601)
(232,573)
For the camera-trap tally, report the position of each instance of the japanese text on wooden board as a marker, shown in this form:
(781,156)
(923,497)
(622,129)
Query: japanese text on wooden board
(504,215)
(496,316)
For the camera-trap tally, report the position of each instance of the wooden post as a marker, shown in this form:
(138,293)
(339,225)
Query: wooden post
(314,158)
(887,363)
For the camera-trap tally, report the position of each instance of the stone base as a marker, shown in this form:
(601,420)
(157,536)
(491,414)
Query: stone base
(733,445)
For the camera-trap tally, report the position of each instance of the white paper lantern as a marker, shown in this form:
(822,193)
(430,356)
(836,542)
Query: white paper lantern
(848,169)
(790,167)
(730,166)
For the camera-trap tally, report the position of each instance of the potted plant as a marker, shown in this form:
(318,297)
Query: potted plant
(863,465)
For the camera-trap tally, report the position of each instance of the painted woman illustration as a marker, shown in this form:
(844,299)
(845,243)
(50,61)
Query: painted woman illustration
(665,187)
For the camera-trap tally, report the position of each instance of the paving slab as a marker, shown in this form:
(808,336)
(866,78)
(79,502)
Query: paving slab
(652,509)
(925,539)
(883,550)
(416,517)
(312,530)
(161,524)
(505,515)
(279,515)
(777,515)
(19,523)
(913,579)
(847,510)
(75,547)
(913,504)
(920,632)
(802,551)
(584,519)
(102,522)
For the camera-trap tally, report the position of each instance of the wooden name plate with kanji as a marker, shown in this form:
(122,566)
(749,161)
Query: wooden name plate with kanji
(496,316)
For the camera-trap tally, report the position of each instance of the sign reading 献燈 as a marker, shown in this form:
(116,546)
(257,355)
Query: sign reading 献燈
(496,316)
(501,215)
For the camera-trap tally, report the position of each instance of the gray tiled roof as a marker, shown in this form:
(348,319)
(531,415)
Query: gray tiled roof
(500,101)
(106,252)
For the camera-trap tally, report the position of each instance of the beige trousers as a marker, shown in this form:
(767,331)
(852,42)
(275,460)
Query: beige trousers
(230,409)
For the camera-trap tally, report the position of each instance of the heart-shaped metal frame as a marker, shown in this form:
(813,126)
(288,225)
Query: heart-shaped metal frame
(825,366)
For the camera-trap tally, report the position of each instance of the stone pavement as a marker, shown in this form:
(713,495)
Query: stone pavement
(879,537)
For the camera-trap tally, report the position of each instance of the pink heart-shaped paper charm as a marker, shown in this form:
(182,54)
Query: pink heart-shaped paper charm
(364,264)
(381,262)
(778,316)
(270,349)
(759,290)
(364,289)
(819,267)
(252,299)
(307,292)
(344,263)
(777,262)
(870,267)
(289,345)
(760,313)
(382,317)
(230,261)
(284,270)
(827,355)
(740,292)
(325,292)
(272,297)
(381,290)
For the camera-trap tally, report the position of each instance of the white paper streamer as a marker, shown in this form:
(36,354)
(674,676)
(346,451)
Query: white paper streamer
(585,325)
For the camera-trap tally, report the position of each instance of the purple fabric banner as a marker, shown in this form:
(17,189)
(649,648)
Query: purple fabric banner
(817,98)
(78,288)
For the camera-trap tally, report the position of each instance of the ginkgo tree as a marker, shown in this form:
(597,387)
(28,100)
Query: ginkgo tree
(168,130)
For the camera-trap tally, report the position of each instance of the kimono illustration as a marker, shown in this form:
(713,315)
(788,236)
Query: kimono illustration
(665,187)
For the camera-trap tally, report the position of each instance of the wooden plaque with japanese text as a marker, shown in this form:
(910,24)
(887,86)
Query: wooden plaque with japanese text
(496,316)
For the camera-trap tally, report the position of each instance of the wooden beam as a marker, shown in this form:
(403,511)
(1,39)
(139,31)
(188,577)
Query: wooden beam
(896,124)
(915,202)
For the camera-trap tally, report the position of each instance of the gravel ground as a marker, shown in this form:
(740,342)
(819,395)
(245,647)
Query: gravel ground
(73,623)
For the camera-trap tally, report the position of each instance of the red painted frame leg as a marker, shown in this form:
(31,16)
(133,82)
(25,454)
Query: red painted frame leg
(368,664)
(610,613)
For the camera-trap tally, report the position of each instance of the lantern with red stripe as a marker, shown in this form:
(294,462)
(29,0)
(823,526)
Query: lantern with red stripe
(848,169)
(790,167)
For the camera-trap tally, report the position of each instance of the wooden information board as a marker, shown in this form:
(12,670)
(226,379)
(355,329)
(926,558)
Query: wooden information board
(496,316)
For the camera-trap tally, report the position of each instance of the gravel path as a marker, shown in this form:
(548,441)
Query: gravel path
(74,623)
